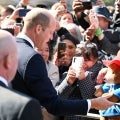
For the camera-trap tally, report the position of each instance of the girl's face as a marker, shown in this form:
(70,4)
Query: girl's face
(89,63)
(44,51)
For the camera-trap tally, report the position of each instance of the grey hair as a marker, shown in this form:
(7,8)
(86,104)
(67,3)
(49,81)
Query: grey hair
(77,34)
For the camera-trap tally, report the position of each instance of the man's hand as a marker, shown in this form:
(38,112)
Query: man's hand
(101,103)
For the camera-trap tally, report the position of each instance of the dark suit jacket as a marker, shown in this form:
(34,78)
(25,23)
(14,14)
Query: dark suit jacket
(32,79)
(16,106)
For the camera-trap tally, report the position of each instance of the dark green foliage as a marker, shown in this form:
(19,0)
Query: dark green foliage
(109,2)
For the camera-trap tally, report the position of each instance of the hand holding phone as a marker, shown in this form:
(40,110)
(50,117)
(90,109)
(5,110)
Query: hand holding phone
(77,63)
(61,49)
(87,4)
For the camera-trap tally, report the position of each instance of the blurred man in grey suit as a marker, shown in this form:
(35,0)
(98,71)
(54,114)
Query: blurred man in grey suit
(13,105)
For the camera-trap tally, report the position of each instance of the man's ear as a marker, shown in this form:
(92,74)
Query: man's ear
(7,61)
(38,28)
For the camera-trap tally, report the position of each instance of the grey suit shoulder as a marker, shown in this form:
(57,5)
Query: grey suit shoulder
(16,106)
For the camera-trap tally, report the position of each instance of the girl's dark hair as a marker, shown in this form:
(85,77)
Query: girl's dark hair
(88,51)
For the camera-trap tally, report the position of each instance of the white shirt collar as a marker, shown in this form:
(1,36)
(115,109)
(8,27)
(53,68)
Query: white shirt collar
(23,36)
(3,80)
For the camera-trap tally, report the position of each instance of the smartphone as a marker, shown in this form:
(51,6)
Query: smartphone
(77,63)
(10,30)
(61,49)
(23,12)
(87,4)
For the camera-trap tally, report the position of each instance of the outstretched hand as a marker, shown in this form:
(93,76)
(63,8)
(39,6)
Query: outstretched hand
(101,103)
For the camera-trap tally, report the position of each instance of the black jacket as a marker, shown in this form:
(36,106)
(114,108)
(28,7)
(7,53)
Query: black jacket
(32,79)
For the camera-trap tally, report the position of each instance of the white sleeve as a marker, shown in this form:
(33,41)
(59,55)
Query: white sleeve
(89,105)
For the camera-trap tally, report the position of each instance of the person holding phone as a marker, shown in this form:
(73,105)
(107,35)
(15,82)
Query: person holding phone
(64,62)
(32,78)
(80,17)
(81,86)
(107,39)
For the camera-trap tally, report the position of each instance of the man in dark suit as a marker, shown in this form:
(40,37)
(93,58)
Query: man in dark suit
(32,78)
(13,105)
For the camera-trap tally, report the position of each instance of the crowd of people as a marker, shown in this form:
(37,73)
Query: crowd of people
(37,77)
